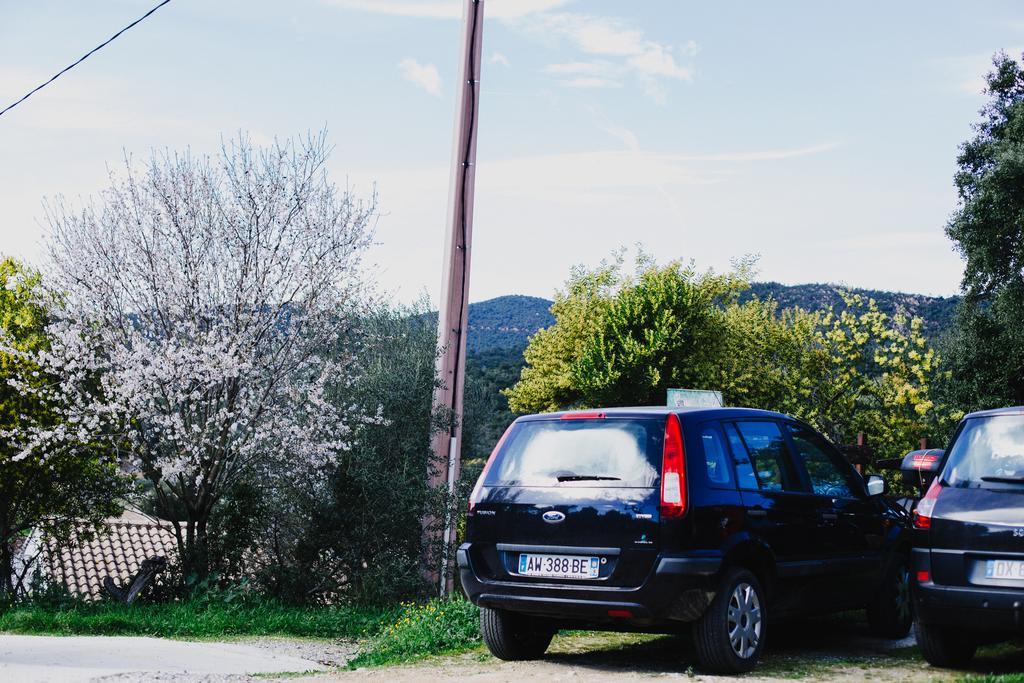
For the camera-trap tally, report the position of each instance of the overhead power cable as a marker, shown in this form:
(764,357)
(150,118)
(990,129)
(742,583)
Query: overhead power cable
(81,59)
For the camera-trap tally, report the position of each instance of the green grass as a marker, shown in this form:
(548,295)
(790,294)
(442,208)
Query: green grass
(196,620)
(389,635)
(422,630)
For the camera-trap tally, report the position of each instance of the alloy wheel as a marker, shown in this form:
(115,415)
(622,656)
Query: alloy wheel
(744,620)
(903,594)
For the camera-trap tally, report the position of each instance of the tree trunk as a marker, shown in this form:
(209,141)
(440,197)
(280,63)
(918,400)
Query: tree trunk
(193,548)
(7,566)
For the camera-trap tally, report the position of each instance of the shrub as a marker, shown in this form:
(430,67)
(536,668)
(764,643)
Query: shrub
(436,627)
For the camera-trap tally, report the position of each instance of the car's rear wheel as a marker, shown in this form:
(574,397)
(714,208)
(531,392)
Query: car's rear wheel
(730,636)
(514,637)
(891,613)
(945,646)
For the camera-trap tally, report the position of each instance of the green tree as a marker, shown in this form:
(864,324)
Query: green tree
(52,491)
(986,348)
(771,359)
(880,379)
(620,339)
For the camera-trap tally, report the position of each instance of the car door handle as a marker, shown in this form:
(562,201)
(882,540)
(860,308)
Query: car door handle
(831,516)
(757,512)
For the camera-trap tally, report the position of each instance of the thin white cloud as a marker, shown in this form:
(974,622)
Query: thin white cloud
(623,50)
(590,82)
(573,176)
(593,34)
(621,133)
(447,9)
(424,76)
(498,58)
(657,60)
(593,74)
(767,155)
(892,240)
(596,68)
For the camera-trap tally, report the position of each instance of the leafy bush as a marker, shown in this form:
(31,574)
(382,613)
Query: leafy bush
(419,630)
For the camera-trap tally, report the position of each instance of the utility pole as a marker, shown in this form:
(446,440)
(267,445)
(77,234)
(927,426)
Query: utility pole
(453,311)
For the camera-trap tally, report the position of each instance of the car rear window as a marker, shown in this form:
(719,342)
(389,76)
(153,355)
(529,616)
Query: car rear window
(617,453)
(988,451)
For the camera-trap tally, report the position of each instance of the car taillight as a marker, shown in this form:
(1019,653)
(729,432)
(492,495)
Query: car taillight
(926,506)
(474,497)
(924,462)
(673,471)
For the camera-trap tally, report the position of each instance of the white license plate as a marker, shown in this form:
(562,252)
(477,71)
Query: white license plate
(559,566)
(1004,569)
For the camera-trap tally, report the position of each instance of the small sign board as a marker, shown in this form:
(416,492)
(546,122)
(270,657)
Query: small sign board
(694,398)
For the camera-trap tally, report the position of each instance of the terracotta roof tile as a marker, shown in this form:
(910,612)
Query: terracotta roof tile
(117,551)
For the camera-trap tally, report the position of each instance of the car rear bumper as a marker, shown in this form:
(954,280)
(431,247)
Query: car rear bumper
(974,607)
(677,589)
(983,609)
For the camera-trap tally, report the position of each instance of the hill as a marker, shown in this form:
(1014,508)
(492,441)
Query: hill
(500,327)
(937,312)
(506,322)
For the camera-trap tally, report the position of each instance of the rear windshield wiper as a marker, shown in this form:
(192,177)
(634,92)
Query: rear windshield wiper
(586,477)
(1004,480)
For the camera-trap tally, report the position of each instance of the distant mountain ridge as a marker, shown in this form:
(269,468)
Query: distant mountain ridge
(506,322)
(936,311)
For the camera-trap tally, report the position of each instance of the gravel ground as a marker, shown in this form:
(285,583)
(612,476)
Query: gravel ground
(631,657)
(328,653)
(834,649)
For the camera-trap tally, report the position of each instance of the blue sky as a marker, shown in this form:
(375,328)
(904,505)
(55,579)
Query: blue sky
(821,136)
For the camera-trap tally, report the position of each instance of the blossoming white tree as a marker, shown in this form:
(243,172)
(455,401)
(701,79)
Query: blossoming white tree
(205,293)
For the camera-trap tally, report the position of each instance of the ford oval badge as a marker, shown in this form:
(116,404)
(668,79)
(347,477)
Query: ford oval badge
(553,516)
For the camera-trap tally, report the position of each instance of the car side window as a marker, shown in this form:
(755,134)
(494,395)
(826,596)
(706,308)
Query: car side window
(819,460)
(768,455)
(741,458)
(714,457)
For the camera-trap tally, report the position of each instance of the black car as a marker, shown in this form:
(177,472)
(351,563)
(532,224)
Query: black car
(968,556)
(720,520)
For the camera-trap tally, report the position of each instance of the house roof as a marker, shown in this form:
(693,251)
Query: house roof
(117,552)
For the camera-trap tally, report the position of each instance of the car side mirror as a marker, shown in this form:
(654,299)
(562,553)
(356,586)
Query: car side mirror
(919,468)
(876,485)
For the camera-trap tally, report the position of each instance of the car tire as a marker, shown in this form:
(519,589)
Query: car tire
(512,636)
(891,611)
(945,646)
(729,637)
